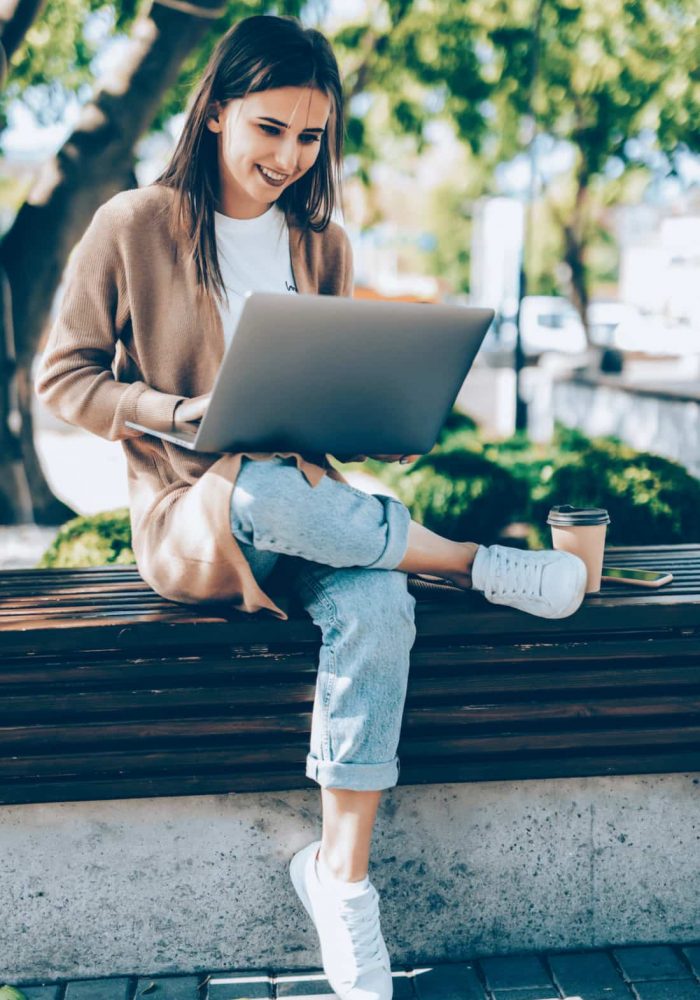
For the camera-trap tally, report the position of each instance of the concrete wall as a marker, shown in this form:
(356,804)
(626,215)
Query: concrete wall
(663,426)
(182,884)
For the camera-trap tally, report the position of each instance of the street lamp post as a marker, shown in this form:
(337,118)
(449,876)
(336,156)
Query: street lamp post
(528,228)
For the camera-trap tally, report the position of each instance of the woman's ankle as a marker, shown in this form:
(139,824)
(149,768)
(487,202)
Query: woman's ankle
(432,554)
(461,575)
(341,870)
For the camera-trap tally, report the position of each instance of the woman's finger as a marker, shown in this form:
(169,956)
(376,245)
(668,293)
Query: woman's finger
(192,409)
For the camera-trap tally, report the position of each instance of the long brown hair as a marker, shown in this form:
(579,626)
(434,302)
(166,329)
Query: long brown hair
(262,52)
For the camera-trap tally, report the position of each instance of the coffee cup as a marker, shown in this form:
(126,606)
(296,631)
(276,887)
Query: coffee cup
(581,530)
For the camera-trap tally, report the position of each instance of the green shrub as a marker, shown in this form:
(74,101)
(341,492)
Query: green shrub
(651,500)
(457,423)
(456,490)
(92,540)
(11,993)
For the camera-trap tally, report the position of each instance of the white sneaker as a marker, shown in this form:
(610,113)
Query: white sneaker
(355,957)
(550,584)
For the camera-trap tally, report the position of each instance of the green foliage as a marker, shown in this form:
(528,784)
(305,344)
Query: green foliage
(11,993)
(54,63)
(456,422)
(57,59)
(451,224)
(617,79)
(461,494)
(470,487)
(93,540)
(650,499)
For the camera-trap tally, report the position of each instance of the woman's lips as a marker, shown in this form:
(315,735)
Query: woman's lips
(269,180)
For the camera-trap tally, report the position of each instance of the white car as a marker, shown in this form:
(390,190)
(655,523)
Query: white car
(551,323)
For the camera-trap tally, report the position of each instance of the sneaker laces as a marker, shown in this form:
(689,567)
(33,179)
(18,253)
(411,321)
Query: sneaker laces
(363,926)
(512,575)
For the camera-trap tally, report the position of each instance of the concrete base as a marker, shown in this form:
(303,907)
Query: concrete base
(182,884)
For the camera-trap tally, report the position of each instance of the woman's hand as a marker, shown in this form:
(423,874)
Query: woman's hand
(189,412)
(403,459)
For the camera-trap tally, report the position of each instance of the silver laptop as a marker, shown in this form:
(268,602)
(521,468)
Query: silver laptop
(324,374)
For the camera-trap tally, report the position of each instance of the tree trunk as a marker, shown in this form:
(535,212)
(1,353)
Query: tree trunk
(16,16)
(15,505)
(575,231)
(575,248)
(95,162)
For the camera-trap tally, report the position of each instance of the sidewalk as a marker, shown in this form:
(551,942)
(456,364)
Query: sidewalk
(650,972)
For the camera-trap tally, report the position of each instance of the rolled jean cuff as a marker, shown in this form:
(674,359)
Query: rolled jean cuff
(398,519)
(355,777)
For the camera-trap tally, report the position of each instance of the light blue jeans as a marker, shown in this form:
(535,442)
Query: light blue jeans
(346,545)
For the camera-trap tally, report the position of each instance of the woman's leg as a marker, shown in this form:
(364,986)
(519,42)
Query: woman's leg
(274,509)
(348,822)
(366,620)
(366,617)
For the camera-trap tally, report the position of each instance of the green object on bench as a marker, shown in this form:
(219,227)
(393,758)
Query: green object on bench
(108,691)
(92,540)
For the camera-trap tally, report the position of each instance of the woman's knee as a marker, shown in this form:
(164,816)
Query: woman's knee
(259,499)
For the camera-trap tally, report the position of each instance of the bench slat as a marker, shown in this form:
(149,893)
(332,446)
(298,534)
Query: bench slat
(257,780)
(66,703)
(231,759)
(519,716)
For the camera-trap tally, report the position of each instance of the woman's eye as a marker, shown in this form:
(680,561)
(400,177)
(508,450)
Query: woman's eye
(305,138)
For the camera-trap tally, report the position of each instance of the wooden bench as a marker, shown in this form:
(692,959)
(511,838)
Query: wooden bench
(107,691)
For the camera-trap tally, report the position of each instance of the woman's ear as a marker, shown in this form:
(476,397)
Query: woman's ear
(213,117)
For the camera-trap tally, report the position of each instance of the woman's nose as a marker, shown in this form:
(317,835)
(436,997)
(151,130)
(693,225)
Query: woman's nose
(286,153)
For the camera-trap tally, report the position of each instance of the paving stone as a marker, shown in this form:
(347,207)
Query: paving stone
(593,974)
(314,984)
(404,987)
(448,982)
(239,984)
(303,984)
(669,989)
(692,953)
(99,989)
(516,972)
(52,992)
(650,962)
(168,988)
(527,993)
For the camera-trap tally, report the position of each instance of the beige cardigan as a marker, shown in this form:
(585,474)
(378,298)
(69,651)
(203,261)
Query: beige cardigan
(133,337)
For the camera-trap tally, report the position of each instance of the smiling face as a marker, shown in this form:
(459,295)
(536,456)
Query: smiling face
(266,141)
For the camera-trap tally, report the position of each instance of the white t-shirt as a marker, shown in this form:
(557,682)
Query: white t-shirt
(254,257)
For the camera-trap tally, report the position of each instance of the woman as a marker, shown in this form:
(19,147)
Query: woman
(152,295)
